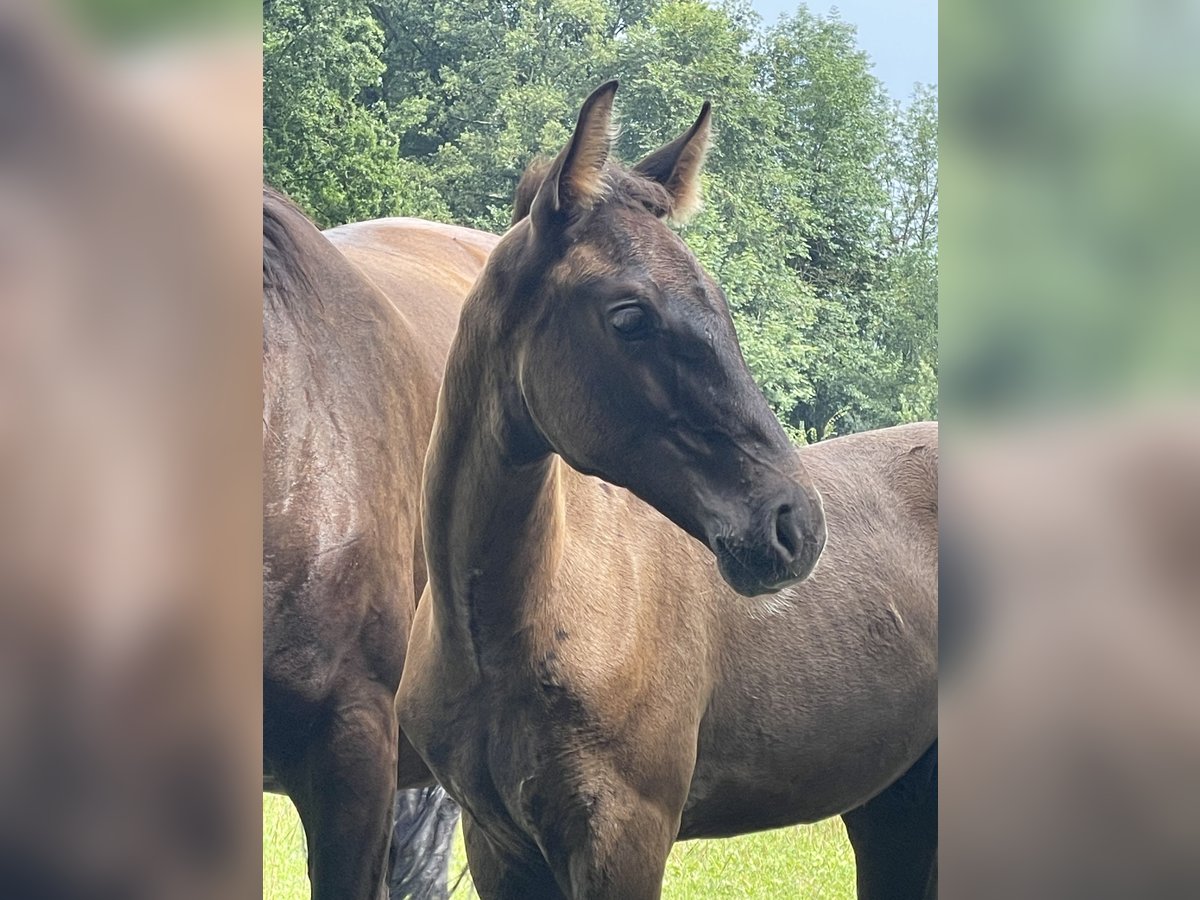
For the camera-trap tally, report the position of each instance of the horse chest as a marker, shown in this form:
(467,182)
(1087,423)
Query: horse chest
(484,761)
(513,730)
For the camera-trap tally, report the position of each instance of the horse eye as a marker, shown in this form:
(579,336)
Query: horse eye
(630,321)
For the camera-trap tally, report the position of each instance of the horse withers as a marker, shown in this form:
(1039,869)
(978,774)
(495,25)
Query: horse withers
(592,673)
(348,400)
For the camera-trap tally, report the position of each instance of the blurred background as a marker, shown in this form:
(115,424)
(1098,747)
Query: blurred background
(130,510)
(1070,315)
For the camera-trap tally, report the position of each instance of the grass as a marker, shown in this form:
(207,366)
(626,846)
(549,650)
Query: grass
(284,877)
(810,861)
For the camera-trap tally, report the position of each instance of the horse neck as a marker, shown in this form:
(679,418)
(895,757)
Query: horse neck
(493,525)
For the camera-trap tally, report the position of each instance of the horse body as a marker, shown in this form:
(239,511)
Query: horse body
(338,458)
(738,715)
(583,676)
(349,390)
(425,270)
(827,693)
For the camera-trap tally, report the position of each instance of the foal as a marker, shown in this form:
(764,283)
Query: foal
(581,677)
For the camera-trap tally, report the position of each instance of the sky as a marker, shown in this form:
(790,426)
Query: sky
(900,36)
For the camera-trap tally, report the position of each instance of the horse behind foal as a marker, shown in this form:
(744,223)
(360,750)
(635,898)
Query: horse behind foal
(425,269)
(586,675)
(349,394)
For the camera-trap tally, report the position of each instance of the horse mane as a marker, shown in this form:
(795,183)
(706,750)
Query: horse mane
(622,186)
(287,282)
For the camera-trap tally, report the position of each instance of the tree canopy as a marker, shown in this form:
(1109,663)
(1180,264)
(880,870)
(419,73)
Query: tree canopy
(820,217)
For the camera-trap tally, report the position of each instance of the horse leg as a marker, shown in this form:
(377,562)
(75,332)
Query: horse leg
(895,836)
(422,837)
(615,847)
(499,877)
(343,788)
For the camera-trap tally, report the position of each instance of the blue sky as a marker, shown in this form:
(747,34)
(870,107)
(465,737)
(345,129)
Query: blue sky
(900,36)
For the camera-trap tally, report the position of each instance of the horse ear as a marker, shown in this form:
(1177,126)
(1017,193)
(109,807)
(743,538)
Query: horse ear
(676,166)
(575,179)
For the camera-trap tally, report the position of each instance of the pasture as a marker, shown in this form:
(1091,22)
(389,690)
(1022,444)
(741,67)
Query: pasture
(810,861)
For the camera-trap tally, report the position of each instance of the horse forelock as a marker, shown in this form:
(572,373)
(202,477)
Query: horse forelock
(622,187)
(604,238)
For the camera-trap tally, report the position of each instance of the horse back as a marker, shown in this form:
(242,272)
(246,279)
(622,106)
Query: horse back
(881,490)
(908,456)
(425,269)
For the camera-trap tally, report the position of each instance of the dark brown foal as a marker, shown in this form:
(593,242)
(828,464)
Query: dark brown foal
(592,672)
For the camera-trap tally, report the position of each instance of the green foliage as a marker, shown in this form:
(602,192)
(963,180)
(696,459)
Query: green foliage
(820,220)
(327,137)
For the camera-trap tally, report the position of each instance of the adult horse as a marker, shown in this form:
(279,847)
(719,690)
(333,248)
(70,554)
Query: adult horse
(581,677)
(425,269)
(349,391)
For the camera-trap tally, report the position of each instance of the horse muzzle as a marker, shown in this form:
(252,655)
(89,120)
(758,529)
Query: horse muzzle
(779,549)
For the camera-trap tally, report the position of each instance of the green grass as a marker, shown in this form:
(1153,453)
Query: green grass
(809,861)
(284,877)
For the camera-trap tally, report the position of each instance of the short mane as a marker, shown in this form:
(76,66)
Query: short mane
(623,186)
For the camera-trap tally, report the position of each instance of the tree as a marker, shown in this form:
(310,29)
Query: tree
(911,268)
(484,86)
(326,136)
(820,220)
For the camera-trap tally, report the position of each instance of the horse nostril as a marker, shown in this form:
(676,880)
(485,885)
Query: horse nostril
(784,530)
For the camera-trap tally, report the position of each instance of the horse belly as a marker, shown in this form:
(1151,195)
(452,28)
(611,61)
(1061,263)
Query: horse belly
(769,757)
